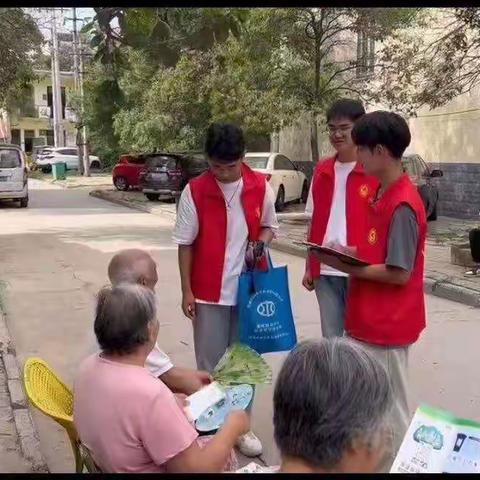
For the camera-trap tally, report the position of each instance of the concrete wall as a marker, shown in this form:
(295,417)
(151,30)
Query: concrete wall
(448,138)
(294,141)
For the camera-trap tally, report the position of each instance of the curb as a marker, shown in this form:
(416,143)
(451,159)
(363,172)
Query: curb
(26,430)
(125,203)
(433,284)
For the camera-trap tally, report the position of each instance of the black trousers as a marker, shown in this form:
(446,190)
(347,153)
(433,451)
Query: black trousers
(474,237)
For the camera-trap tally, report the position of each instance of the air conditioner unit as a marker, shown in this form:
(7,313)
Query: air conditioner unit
(43,112)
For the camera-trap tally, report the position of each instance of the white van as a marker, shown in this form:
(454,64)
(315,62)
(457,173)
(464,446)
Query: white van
(13,174)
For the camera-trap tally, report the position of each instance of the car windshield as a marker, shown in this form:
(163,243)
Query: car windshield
(10,158)
(161,161)
(256,162)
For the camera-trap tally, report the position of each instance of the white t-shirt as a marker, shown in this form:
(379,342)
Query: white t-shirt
(337,221)
(158,362)
(186,230)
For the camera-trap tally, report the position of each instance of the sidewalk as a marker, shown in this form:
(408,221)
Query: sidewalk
(19,444)
(74,180)
(441,277)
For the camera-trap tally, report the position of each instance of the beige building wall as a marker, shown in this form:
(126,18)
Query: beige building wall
(37,123)
(449,134)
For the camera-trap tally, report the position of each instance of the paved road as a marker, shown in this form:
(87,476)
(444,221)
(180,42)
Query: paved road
(54,255)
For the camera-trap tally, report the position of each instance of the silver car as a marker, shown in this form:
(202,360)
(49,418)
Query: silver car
(13,174)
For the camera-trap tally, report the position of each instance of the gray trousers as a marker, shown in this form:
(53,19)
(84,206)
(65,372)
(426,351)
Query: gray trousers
(215,328)
(395,362)
(331,294)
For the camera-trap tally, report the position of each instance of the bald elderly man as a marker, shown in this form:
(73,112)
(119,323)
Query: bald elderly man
(137,266)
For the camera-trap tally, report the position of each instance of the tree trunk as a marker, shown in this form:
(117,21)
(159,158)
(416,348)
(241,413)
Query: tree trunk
(314,137)
(79,142)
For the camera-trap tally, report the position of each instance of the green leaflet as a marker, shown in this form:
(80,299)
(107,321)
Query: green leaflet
(241,364)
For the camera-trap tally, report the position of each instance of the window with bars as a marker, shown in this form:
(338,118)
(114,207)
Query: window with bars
(365,55)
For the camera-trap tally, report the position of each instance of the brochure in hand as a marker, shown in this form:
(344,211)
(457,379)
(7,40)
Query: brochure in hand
(344,257)
(203,399)
(439,442)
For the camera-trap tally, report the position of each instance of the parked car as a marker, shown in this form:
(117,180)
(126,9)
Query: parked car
(68,155)
(39,150)
(167,174)
(126,173)
(421,175)
(13,174)
(289,184)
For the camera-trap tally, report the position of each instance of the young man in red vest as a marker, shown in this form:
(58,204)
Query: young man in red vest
(337,202)
(385,304)
(225,216)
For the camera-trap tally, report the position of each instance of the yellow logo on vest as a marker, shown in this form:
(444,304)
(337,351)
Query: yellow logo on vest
(372,236)
(364,191)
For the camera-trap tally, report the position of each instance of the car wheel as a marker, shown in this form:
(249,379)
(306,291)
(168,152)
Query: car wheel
(153,197)
(95,165)
(47,169)
(121,183)
(24,202)
(280,202)
(304,197)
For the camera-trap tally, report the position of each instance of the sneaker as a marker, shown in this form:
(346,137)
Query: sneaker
(249,445)
(473,272)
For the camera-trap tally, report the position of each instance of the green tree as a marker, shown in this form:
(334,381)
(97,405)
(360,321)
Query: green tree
(306,45)
(179,69)
(20,41)
(103,99)
(429,66)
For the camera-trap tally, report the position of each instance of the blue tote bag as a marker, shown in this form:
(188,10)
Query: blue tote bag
(265,312)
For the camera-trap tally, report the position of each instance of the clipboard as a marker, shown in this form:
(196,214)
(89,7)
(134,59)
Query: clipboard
(344,257)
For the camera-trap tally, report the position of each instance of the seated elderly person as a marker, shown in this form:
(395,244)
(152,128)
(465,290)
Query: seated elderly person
(130,420)
(331,401)
(137,266)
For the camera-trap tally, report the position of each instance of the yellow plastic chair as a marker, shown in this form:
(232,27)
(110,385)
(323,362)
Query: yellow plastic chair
(52,397)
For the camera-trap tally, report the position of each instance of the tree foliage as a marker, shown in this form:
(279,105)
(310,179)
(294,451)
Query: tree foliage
(177,70)
(429,67)
(20,40)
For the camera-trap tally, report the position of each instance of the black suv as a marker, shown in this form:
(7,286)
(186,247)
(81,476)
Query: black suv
(167,174)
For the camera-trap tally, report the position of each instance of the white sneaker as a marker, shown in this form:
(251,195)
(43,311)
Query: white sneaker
(249,445)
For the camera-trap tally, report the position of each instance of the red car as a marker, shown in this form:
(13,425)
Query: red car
(126,173)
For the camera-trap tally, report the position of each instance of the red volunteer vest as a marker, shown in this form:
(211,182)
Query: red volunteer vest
(210,245)
(380,313)
(360,188)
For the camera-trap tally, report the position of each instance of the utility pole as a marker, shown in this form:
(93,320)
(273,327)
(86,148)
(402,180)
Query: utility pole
(75,50)
(86,158)
(56,89)
(76,77)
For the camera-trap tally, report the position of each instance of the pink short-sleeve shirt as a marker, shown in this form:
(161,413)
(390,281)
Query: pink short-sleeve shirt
(130,420)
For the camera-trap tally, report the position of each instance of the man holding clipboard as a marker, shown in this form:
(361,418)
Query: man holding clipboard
(385,310)
(337,203)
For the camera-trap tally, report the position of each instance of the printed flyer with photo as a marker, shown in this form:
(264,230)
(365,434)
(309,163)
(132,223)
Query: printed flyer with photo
(438,442)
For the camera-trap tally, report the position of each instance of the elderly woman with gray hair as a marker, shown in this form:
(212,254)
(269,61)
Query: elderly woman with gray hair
(331,402)
(127,418)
